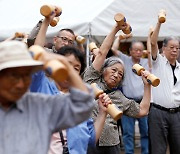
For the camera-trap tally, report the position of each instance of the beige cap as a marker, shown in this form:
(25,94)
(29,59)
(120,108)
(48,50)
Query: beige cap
(16,54)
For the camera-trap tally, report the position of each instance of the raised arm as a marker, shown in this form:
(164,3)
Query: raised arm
(145,103)
(117,42)
(149,48)
(41,36)
(154,37)
(105,47)
(115,46)
(154,40)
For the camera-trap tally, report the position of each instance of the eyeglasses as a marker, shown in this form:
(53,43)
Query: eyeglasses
(135,49)
(65,39)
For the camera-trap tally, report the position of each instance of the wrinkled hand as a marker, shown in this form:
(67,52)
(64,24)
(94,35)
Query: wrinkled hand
(103,102)
(50,18)
(122,27)
(125,36)
(144,75)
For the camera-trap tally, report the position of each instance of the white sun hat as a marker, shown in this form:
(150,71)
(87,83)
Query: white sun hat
(16,54)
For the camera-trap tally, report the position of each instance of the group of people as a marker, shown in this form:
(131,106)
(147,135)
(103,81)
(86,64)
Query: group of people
(42,115)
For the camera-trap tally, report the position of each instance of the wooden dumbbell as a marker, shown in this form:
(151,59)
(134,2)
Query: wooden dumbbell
(47,10)
(128,29)
(54,21)
(162,16)
(53,68)
(120,19)
(19,35)
(112,109)
(92,46)
(151,78)
(80,39)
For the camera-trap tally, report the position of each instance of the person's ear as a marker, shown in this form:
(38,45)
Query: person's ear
(55,39)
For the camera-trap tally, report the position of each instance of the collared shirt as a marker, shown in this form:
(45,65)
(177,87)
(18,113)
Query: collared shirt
(166,93)
(80,137)
(132,85)
(26,128)
(110,136)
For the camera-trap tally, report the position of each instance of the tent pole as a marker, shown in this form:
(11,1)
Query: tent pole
(87,51)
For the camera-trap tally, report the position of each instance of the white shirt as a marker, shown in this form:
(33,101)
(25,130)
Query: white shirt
(166,94)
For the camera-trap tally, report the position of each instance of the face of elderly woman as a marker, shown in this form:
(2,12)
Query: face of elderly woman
(113,75)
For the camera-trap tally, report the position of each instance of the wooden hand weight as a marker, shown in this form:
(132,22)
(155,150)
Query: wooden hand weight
(80,39)
(54,21)
(120,19)
(151,78)
(53,68)
(128,29)
(19,35)
(47,10)
(92,46)
(112,109)
(162,16)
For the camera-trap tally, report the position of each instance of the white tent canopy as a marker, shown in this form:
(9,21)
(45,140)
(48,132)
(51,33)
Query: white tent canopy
(91,17)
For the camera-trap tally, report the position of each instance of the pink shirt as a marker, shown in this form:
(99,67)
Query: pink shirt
(56,145)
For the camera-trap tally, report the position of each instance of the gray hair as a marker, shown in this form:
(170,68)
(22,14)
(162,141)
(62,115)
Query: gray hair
(111,61)
(167,39)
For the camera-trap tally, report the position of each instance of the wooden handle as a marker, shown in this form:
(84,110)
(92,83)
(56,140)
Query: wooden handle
(112,109)
(151,78)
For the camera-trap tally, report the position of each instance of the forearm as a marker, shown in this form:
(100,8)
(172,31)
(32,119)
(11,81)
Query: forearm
(104,49)
(149,53)
(106,45)
(115,46)
(76,81)
(145,103)
(41,37)
(99,124)
(154,40)
(80,47)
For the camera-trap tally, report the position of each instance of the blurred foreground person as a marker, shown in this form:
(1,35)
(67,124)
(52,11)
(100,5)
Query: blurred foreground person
(27,120)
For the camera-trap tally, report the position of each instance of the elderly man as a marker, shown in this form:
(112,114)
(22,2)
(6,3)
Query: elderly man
(64,37)
(164,116)
(27,120)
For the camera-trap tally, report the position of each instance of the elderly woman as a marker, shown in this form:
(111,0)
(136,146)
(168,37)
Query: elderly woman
(108,74)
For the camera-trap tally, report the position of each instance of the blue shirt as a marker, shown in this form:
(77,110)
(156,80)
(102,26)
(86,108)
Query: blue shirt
(80,137)
(42,84)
